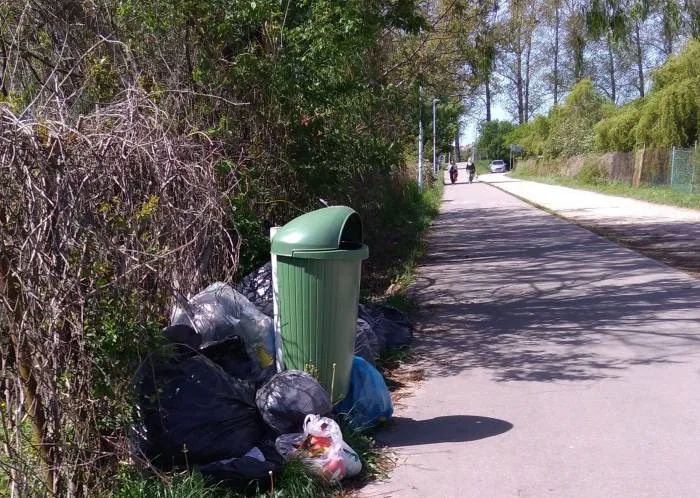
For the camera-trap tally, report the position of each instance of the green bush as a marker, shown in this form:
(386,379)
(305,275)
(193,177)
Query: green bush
(572,123)
(592,172)
(531,136)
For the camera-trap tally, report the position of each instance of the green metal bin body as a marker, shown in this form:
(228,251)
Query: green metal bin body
(317,270)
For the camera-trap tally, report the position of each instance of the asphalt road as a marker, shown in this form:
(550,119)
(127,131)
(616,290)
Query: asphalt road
(556,363)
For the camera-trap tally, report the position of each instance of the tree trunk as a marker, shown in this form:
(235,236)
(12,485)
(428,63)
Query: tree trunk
(668,40)
(611,69)
(488,100)
(519,86)
(457,150)
(640,69)
(556,53)
(527,79)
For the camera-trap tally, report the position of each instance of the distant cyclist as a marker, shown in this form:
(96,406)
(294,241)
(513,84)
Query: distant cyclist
(471,169)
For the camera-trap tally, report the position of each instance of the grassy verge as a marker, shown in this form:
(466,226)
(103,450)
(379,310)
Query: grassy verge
(482,167)
(294,481)
(392,262)
(654,194)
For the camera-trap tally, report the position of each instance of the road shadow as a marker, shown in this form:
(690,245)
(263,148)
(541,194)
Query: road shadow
(446,429)
(531,297)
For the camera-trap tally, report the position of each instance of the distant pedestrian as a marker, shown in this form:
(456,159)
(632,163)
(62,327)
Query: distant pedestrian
(453,171)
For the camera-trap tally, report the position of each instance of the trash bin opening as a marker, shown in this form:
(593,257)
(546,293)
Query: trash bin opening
(351,236)
(350,246)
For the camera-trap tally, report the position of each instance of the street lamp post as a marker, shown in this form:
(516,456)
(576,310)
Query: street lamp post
(435,101)
(420,140)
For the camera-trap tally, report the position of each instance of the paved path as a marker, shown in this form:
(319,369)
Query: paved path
(666,232)
(557,363)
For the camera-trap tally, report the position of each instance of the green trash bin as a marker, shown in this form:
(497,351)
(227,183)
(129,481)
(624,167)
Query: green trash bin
(317,276)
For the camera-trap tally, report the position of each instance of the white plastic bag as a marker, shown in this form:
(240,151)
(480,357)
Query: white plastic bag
(321,446)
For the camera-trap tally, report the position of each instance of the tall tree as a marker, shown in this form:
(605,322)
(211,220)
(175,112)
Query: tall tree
(576,43)
(518,25)
(622,20)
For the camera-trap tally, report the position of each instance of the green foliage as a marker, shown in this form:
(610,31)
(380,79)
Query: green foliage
(493,138)
(614,133)
(532,136)
(103,82)
(395,252)
(448,111)
(571,124)
(255,242)
(324,114)
(667,116)
(118,335)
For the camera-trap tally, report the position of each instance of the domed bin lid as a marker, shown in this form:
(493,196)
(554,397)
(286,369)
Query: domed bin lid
(329,233)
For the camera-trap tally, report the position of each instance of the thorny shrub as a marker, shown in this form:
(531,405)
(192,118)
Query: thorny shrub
(101,220)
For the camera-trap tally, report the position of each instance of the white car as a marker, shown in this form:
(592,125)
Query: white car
(497,166)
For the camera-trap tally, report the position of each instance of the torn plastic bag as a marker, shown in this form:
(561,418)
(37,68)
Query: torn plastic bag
(286,399)
(219,312)
(257,287)
(368,401)
(230,353)
(249,473)
(366,343)
(321,446)
(193,412)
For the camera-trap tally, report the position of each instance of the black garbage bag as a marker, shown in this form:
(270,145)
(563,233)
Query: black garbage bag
(365,312)
(290,396)
(366,342)
(249,473)
(230,354)
(391,326)
(193,412)
(257,287)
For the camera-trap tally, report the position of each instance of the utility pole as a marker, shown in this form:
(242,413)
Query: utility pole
(420,140)
(435,101)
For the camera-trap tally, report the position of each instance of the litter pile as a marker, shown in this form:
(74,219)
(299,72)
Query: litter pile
(211,399)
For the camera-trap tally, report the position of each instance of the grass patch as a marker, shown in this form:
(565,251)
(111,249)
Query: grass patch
(181,485)
(375,463)
(654,194)
(294,481)
(297,480)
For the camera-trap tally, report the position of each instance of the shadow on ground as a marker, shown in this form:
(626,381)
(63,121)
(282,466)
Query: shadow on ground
(447,429)
(534,298)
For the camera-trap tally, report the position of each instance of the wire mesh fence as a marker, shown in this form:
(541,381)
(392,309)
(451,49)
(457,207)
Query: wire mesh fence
(685,170)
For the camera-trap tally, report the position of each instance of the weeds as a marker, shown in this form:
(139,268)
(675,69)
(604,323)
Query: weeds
(411,221)
(183,485)
(296,480)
